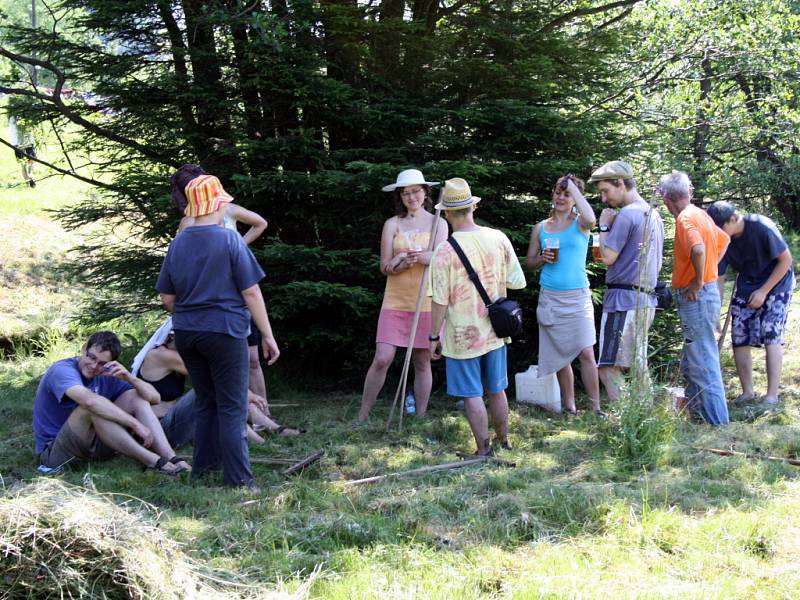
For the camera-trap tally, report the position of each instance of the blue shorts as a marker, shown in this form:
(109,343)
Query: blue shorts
(471,377)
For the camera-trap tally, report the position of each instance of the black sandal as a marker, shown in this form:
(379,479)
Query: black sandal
(279,431)
(159,467)
(180,459)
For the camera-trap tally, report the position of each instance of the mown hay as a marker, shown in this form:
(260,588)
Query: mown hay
(61,541)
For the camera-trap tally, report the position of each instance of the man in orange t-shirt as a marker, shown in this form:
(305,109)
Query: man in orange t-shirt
(699,245)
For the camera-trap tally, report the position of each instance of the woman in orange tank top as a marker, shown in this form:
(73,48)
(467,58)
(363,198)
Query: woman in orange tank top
(404,254)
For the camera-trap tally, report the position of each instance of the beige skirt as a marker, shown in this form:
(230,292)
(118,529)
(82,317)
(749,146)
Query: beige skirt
(566,326)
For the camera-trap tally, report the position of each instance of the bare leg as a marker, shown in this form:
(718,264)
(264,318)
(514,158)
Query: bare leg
(262,422)
(376,376)
(255,381)
(612,381)
(566,381)
(774,365)
(589,376)
(498,406)
(142,411)
(85,425)
(478,422)
(744,368)
(253,437)
(423,380)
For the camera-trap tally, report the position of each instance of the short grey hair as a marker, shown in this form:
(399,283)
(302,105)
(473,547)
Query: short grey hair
(675,186)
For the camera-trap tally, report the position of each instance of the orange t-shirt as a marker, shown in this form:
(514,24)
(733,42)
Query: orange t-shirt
(693,226)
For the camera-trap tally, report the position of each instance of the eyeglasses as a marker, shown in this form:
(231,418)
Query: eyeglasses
(412,193)
(94,360)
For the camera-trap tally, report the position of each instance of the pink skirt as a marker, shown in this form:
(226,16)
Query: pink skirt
(394,327)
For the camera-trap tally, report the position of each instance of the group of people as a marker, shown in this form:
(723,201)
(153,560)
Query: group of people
(91,406)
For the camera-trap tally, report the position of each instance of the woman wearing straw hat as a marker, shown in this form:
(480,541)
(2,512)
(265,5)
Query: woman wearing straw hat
(403,240)
(565,312)
(209,281)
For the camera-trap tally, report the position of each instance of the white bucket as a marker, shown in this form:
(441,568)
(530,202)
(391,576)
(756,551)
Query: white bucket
(539,391)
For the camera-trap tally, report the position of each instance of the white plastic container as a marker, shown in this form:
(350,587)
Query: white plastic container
(539,391)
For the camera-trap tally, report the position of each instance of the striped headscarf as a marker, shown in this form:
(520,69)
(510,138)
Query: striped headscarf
(204,195)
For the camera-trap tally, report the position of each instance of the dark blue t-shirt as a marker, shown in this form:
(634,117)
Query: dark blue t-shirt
(754,254)
(206,268)
(52,408)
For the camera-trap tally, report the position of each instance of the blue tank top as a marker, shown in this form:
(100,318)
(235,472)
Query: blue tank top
(569,271)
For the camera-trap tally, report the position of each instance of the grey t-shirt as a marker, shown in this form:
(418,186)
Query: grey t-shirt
(626,238)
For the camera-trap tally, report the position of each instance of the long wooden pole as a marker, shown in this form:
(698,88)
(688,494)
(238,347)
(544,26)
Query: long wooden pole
(721,340)
(421,471)
(401,387)
(789,461)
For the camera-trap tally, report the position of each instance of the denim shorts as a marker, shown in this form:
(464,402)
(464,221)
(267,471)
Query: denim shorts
(471,377)
(763,326)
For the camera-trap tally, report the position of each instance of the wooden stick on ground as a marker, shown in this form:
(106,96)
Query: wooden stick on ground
(494,459)
(790,461)
(274,461)
(306,462)
(421,471)
(401,387)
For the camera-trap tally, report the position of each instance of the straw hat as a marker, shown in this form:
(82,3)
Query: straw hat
(408,177)
(204,195)
(457,195)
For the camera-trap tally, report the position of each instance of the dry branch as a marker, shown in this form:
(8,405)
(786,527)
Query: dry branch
(790,461)
(474,460)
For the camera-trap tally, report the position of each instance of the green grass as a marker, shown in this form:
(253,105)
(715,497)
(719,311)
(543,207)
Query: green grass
(570,521)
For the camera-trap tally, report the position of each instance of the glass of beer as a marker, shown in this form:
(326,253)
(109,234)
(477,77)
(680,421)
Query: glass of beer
(552,244)
(596,254)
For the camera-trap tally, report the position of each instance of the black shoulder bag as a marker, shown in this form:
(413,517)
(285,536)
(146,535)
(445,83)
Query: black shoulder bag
(505,314)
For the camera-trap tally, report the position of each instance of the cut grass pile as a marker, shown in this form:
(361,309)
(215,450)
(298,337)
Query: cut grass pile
(64,541)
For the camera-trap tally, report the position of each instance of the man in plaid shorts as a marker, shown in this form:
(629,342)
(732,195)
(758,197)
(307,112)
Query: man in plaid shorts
(764,285)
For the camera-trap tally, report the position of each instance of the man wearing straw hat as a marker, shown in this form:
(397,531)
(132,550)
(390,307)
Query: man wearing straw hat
(475,358)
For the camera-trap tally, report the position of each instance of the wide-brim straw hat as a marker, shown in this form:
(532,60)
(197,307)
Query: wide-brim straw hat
(457,195)
(204,195)
(408,177)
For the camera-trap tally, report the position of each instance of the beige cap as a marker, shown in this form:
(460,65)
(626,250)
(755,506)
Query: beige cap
(616,169)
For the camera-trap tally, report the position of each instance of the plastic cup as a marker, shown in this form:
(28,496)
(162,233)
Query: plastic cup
(553,245)
(596,254)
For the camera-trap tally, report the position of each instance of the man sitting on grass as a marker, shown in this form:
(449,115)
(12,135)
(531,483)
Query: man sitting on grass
(90,407)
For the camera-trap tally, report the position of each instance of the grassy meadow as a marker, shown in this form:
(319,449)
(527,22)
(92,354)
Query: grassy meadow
(573,519)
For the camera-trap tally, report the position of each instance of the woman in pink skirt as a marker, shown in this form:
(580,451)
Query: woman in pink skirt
(404,254)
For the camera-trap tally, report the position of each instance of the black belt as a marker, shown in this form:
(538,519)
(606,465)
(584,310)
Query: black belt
(629,287)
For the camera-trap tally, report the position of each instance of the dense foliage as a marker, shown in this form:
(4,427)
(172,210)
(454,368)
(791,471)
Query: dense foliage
(305,109)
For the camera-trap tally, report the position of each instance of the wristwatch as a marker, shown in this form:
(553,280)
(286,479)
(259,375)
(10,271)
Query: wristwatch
(433,338)
(604,228)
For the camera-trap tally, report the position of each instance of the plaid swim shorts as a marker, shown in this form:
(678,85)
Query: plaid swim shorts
(763,326)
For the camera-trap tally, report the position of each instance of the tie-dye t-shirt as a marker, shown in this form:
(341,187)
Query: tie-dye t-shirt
(468,332)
